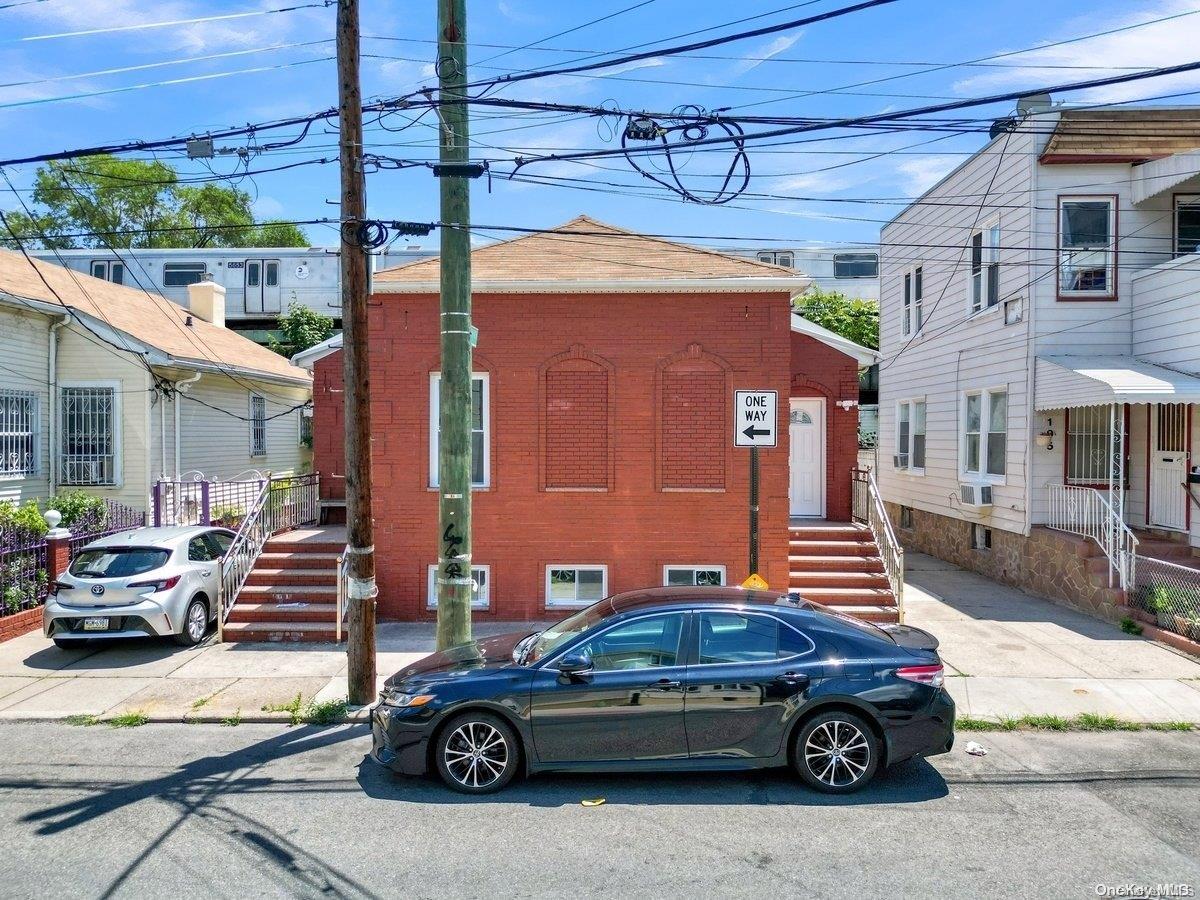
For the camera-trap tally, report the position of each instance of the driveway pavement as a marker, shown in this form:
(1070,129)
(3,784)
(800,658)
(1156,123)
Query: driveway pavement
(1014,654)
(1010,655)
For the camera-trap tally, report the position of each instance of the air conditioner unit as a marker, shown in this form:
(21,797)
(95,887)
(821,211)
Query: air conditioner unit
(900,461)
(975,496)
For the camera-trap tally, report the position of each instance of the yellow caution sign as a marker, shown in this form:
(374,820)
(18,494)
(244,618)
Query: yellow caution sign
(755,583)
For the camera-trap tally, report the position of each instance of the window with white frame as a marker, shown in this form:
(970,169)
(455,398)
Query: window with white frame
(1087,249)
(693,576)
(910,436)
(306,427)
(571,585)
(19,431)
(985,268)
(90,439)
(913,293)
(480,428)
(1092,445)
(109,270)
(258,425)
(480,587)
(985,433)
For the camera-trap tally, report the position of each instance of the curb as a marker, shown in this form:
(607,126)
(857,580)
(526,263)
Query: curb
(353,717)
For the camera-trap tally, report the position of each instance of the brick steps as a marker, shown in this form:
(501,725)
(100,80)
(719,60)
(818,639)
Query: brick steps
(290,594)
(839,566)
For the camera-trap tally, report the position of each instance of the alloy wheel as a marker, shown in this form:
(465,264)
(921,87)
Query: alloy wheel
(197,622)
(837,753)
(476,754)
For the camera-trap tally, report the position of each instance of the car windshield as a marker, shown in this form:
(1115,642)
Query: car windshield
(117,562)
(568,629)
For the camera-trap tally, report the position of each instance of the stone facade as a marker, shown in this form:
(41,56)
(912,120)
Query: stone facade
(1058,566)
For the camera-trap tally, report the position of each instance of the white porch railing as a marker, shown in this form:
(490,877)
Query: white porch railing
(1086,512)
(343,575)
(243,553)
(867,507)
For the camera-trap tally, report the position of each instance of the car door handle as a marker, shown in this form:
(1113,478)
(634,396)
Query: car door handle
(793,678)
(663,684)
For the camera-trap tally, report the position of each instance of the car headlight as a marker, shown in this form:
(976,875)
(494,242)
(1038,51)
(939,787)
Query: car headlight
(402,700)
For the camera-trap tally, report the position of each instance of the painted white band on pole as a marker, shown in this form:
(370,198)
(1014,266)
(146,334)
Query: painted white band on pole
(361,588)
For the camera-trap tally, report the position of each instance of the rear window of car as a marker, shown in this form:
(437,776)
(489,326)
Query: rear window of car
(117,562)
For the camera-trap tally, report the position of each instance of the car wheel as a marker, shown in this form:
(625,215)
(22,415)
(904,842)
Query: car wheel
(477,753)
(195,624)
(836,752)
(69,643)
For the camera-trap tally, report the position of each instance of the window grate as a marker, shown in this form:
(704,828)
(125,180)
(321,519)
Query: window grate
(1090,445)
(258,425)
(89,441)
(18,433)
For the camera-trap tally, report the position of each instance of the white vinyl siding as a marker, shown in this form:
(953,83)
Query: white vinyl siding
(214,440)
(958,351)
(24,364)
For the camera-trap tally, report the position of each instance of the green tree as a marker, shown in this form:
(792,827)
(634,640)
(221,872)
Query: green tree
(127,203)
(855,319)
(300,328)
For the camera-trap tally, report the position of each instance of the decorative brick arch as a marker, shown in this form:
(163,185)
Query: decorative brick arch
(803,386)
(576,422)
(691,452)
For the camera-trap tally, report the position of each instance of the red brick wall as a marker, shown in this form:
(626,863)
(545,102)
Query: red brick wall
(25,621)
(645,435)
(820,371)
(329,429)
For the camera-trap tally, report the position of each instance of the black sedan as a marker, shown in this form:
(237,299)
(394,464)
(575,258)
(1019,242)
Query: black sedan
(672,679)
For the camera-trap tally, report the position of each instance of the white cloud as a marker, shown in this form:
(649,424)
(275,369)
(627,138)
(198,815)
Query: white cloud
(921,173)
(514,13)
(814,183)
(774,48)
(1162,44)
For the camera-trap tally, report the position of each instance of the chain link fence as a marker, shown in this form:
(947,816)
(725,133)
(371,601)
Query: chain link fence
(1169,592)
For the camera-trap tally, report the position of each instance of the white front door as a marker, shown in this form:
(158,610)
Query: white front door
(1168,465)
(806,435)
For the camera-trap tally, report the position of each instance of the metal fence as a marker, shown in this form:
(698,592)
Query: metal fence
(204,502)
(1086,512)
(1169,592)
(23,577)
(292,502)
(867,508)
(111,518)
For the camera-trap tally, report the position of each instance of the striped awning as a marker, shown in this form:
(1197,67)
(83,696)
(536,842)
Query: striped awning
(1069,382)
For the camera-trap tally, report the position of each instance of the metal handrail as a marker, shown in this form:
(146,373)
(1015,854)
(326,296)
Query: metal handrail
(343,573)
(235,566)
(1084,511)
(867,508)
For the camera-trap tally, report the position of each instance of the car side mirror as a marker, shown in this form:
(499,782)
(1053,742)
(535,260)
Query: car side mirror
(575,664)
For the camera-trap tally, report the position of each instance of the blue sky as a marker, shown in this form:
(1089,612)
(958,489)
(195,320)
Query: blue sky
(804,189)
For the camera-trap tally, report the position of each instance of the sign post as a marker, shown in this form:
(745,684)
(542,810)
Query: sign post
(755,425)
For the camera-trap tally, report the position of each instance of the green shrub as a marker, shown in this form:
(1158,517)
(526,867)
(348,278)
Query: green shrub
(78,506)
(1130,627)
(23,519)
(19,591)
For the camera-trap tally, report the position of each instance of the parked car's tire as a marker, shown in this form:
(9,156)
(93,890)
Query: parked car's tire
(836,752)
(69,643)
(195,624)
(477,753)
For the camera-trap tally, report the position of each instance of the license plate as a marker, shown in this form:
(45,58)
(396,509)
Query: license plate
(96,623)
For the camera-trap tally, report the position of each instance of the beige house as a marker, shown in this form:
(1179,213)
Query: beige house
(109,388)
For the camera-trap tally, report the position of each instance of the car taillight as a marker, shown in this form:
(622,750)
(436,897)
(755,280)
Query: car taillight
(934,676)
(164,585)
(56,586)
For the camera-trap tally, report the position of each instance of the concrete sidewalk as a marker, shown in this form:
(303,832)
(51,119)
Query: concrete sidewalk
(1008,654)
(1013,654)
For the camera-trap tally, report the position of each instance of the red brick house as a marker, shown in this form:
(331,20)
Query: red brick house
(605,372)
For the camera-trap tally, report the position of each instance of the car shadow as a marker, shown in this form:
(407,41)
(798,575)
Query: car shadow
(915,781)
(112,653)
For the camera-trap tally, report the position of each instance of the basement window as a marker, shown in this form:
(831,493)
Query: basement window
(693,576)
(906,517)
(569,585)
(480,588)
(981,537)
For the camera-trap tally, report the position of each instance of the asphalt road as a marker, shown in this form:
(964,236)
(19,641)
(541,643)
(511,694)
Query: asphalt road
(263,810)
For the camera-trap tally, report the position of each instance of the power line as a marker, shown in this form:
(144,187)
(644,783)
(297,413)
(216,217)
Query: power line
(140,26)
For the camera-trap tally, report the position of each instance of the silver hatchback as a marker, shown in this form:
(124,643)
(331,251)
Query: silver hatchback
(148,581)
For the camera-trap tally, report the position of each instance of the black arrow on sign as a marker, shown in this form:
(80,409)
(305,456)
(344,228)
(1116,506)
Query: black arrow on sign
(753,432)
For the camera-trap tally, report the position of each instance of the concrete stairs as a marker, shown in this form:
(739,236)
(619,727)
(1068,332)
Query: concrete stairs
(839,566)
(290,595)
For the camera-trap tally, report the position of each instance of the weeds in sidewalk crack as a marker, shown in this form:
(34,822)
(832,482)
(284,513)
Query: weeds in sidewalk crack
(1081,722)
(132,719)
(234,720)
(83,720)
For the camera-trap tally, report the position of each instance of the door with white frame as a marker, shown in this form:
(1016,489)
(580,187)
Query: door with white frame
(1168,465)
(806,439)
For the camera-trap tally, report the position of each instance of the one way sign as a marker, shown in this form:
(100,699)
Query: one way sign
(754,418)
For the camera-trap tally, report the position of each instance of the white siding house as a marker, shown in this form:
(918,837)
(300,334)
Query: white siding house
(1055,357)
(109,389)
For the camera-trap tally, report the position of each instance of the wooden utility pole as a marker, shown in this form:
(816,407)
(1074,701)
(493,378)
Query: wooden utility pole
(454,445)
(361,590)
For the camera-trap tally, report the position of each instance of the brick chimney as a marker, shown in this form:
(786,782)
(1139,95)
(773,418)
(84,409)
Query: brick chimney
(206,299)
